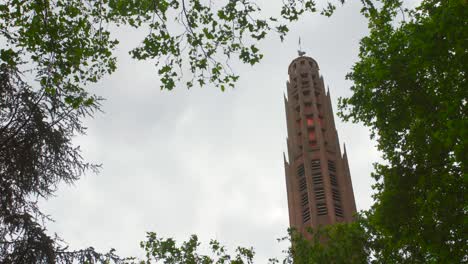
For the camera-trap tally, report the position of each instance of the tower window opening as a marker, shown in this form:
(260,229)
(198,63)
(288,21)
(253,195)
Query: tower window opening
(304,75)
(331,166)
(298,109)
(338,210)
(321,209)
(317,178)
(300,171)
(313,144)
(336,195)
(319,194)
(304,199)
(302,184)
(306,93)
(306,215)
(310,120)
(311,135)
(305,83)
(315,164)
(333,180)
(311,64)
(302,62)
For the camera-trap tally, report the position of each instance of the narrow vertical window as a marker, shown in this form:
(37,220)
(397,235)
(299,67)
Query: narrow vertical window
(306,215)
(338,210)
(302,184)
(300,171)
(321,209)
(331,166)
(336,195)
(315,165)
(310,121)
(312,135)
(333,180)
(304,199)
(317,178)
(319,193)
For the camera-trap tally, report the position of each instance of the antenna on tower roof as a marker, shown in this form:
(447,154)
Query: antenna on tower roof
(301,53)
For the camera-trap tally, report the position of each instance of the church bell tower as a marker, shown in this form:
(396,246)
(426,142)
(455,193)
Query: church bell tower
(318,181)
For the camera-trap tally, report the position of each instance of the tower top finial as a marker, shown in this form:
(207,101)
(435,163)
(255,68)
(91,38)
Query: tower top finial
(300,51)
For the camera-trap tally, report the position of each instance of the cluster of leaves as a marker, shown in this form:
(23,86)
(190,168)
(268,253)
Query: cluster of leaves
(68,44)
(341,243)
(345,243)
(61,43)
(211,33)
(410,88)
(166,251)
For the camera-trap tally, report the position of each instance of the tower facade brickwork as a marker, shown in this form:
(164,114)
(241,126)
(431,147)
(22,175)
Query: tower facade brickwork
(318,180)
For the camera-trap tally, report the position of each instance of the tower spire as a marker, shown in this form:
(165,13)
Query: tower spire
(300,51)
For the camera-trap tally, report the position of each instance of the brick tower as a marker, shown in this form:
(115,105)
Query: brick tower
(318,181)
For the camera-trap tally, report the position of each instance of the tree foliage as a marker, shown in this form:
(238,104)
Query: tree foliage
(411,89)
(70,39)
(36,154)
(345,243)
(166,251)
(341,243)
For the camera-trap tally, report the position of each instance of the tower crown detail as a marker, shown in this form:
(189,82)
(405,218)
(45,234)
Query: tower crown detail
(302,63)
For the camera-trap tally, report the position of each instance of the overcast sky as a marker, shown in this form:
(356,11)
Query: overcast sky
(202,161)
